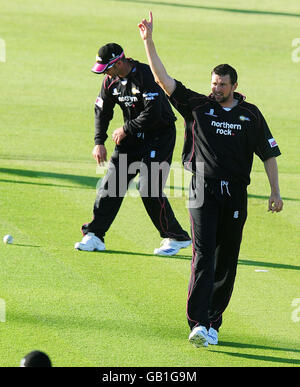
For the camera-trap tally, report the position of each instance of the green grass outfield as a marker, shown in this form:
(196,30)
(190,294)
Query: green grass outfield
(126,307)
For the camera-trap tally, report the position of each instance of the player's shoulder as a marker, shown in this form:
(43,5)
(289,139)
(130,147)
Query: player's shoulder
(198,99)
(142,66)
(182,95)
(144,77)
(144,70)
(192,94)
(250,108)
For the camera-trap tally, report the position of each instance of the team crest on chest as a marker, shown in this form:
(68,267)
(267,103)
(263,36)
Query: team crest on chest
(243,118)
(211,113)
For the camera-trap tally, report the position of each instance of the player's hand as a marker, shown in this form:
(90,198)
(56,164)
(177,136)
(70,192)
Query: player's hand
(275,203)
(99,153)
(146,27)
(118,135)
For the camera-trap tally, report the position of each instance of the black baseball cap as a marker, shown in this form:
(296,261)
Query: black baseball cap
(36,359)
(107,56)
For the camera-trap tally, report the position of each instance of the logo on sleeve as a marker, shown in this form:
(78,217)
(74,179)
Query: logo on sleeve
(272,142)
(99,102)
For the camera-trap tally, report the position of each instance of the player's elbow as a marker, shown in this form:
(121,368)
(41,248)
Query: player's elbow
(168,84)
(158,81)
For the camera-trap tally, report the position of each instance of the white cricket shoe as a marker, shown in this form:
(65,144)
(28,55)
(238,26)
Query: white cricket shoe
(90,243)
(212,336)
(198,337)
(171,246)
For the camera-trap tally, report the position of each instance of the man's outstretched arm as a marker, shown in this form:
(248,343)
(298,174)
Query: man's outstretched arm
(160,74)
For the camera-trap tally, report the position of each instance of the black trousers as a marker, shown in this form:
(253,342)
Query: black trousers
(151,160)
(216,229)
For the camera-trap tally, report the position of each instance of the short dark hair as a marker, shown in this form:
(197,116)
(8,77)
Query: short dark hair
(224,69)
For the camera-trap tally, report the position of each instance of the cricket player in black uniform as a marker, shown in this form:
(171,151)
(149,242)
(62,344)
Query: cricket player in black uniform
(146,140)
(222,132)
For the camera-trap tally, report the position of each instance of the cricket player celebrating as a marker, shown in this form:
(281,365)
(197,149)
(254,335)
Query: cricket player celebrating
(223,132)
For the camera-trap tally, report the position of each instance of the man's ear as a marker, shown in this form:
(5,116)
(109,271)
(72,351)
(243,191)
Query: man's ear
(118,64)
(234,87)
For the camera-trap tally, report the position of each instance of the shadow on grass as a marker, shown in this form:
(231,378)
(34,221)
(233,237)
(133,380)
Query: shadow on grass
(189,257)
(210,8)
(259,357)
(79,181)
(22,245)
(232,344)
(268,264)
(121,252)
(128,330)
(44,184)
(265,197)
(85,181)
(122,327)
(273,359)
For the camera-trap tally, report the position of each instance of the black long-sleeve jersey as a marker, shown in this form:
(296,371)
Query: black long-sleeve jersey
(146,110)
(225,141)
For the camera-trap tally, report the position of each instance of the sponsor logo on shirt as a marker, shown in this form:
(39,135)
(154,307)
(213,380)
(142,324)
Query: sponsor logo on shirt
(272,142)
(226,125)
(150,96)
(128,100)
(225,128)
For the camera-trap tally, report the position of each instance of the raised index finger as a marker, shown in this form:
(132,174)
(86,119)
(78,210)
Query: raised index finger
(150,17)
